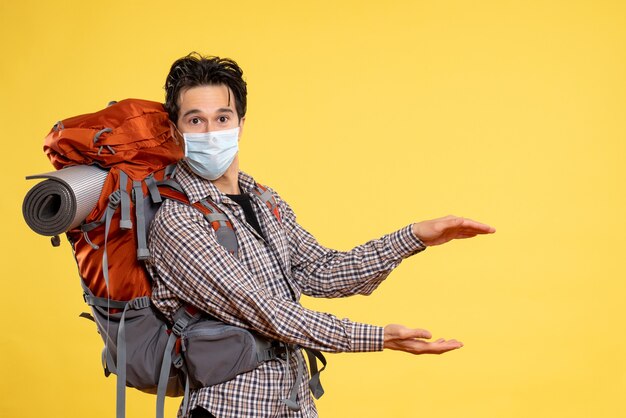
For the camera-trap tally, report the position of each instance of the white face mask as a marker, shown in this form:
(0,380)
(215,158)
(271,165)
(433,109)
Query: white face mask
(209,154)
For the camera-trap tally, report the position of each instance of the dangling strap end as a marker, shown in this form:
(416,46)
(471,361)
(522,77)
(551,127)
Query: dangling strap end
(87,315)
(293,405)
(316,386)
(314,382)
(55,241)
(86,236)
(153,189)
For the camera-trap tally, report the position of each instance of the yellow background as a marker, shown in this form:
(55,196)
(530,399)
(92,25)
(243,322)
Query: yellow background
(365,116)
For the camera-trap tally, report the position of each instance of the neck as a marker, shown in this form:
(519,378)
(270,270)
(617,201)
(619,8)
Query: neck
(229,182)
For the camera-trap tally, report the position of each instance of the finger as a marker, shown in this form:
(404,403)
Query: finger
(417,333)
(463,236)
(471,225)
(426,347)
(417,346)
(446,346)
(454,344)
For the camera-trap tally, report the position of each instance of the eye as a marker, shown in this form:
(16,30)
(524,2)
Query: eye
(223,119)
(194,121)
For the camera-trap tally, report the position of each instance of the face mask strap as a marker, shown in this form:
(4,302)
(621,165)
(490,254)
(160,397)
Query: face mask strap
(176,133)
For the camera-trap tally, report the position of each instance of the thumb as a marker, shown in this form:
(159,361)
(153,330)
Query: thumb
(416,333)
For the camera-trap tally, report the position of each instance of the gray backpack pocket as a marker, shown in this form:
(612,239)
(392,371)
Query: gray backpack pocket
(216,352)
(146,339)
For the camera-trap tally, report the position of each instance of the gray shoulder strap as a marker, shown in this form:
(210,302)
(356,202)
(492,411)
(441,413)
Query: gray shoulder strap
(224,232)
(172,184)
(266,197)
(170,170)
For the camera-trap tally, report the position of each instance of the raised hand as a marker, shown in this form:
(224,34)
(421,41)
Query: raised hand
(411,340)
(441,230)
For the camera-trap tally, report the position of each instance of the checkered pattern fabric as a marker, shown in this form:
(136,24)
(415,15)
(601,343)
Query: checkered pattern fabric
(259,289)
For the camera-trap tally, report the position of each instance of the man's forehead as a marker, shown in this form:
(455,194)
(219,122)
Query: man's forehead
(207,97)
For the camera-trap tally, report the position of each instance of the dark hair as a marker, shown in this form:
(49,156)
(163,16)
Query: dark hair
(197,70)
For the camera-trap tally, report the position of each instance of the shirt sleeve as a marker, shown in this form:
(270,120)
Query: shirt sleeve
(188,261)
(323,272)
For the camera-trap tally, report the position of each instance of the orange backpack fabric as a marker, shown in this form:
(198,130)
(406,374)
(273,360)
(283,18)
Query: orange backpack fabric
(133,135)
(132,139)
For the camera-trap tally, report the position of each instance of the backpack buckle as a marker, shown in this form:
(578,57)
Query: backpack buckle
(58,126)
(273,352)
(180,325)
(114,199)
(140,303)
(280,352)
(177,361)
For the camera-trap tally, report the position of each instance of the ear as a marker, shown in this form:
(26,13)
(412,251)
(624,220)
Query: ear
(241,123)
(176,134)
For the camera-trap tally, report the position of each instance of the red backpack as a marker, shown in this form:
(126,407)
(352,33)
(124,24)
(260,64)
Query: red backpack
(134,141)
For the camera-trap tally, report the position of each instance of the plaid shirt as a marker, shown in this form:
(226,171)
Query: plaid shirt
(260,289)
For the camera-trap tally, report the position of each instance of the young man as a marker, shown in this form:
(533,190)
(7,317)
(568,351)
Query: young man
(259,287)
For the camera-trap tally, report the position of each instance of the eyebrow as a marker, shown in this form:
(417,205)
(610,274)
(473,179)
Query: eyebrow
(195,111)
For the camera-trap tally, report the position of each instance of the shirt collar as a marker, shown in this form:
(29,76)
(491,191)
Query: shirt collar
(197,188)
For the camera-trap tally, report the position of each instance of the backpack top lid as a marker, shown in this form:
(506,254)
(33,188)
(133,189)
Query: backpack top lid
(134,135)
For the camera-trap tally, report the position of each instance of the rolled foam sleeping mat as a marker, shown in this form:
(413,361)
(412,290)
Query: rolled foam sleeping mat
(64,199)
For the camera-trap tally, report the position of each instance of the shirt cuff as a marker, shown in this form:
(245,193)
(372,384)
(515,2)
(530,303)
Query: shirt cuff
(365,337)
(404,243)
